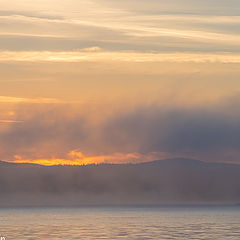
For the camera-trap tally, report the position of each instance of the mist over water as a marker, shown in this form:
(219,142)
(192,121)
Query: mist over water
(220,223)
(173,181)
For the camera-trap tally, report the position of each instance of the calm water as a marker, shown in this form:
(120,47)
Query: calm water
(121,223)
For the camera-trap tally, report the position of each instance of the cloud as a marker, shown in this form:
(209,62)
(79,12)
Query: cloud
(28,14)
(230,7)
(47,130)
(92,49)
(51,132)
(124,26)
(9,121)
(210,133)
(96,54)
(8,99)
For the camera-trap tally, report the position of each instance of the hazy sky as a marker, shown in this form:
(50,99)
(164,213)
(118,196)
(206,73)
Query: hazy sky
(119,81)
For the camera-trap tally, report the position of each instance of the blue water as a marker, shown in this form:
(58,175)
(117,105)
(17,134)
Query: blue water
(121,223)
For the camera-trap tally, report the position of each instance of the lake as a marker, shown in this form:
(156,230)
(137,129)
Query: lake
(120,223)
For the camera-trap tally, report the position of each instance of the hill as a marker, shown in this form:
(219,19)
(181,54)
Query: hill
(171,181)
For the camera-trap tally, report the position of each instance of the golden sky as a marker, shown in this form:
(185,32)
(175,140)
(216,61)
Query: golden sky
(95,81)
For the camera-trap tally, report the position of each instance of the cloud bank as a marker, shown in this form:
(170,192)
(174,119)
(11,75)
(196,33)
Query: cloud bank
(53,133)
(129,25)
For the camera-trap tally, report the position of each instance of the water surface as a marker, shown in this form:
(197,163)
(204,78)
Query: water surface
(121,223)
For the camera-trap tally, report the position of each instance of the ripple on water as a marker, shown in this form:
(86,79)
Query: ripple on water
(120,223)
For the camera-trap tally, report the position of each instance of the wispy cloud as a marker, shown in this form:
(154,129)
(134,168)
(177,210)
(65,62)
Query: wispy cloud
(7,99)
(113,23)
(10,121)
(139,26)
(95,54)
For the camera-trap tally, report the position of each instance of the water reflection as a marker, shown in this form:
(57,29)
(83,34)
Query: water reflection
(120,223)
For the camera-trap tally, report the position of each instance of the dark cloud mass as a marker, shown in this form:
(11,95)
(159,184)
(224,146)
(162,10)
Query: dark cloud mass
(210,133)
(207,133)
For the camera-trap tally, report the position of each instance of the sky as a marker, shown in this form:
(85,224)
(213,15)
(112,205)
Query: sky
(96,81)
